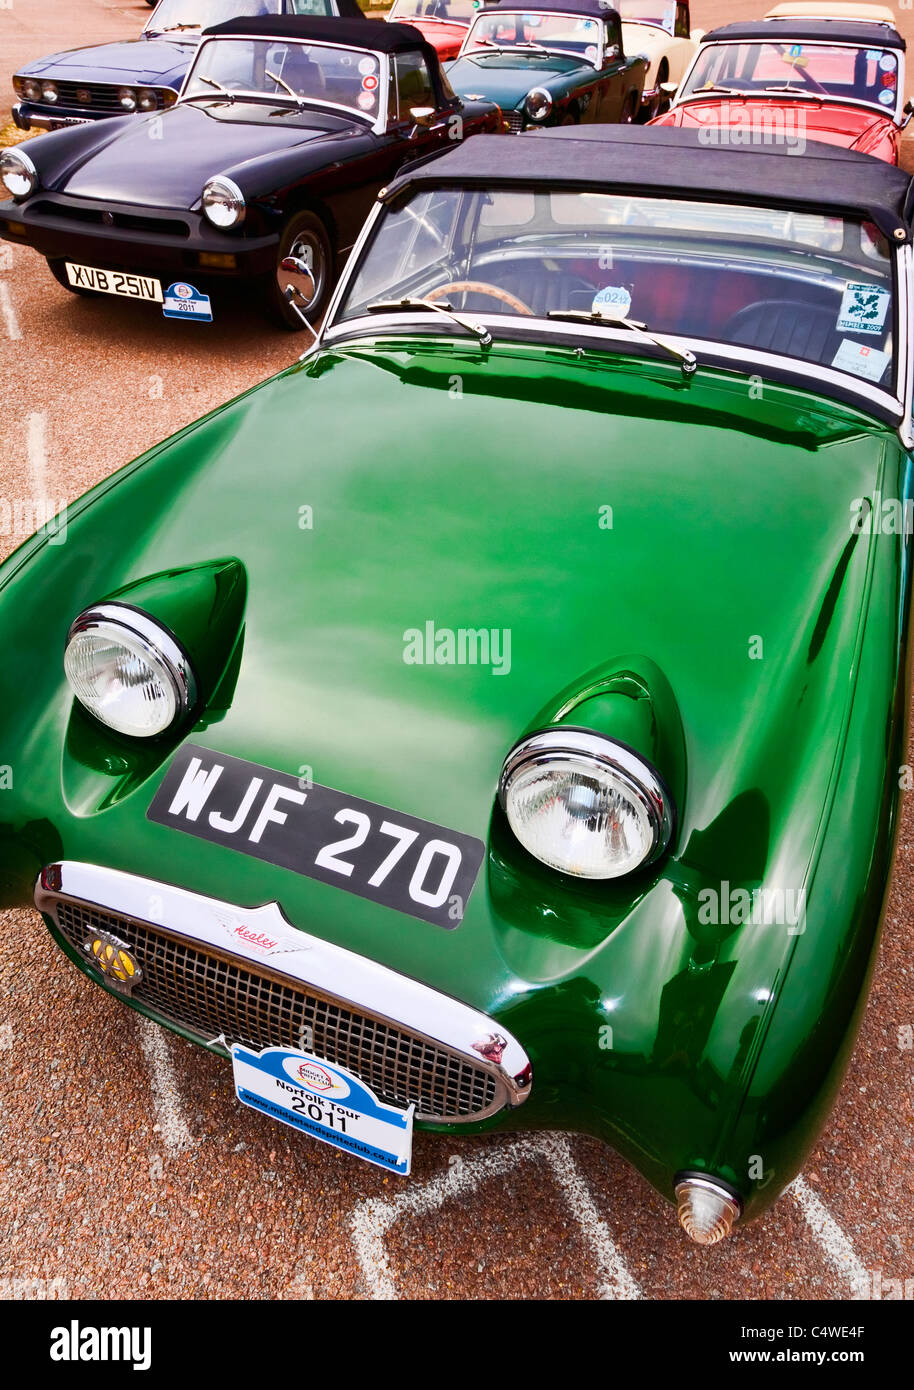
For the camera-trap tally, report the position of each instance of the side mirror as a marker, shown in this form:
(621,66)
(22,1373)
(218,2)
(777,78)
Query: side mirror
(612,54)
(422,115)
(669,89)
(908,113)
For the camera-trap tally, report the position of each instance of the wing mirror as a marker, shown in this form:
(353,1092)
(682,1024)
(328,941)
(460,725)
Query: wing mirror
(908,113)
(422,115)
(669,89)
(295,266)
(612,54)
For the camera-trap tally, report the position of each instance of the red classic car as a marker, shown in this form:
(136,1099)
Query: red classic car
(788,81)
(442,23)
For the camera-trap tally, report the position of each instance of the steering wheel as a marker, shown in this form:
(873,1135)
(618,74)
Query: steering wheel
(481,287)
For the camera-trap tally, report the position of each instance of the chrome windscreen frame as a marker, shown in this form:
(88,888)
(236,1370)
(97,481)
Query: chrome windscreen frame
(893,115)
(378,125)
(894,408)
(355,980)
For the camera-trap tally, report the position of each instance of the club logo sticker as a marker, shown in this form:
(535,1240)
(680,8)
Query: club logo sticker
(315,1077)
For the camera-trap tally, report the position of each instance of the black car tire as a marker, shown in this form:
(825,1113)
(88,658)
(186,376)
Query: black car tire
(305,233)
(59,271)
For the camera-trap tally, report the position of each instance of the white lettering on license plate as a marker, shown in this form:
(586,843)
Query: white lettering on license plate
(86,277)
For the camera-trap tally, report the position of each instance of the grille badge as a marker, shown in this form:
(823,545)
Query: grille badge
(114,959)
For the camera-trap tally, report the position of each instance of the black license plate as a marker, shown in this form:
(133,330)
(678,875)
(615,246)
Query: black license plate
(405,863)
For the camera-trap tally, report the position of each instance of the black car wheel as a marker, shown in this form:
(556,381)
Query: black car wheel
(59,270)
(305,239)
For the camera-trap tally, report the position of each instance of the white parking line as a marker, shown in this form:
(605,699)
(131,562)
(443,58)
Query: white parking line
(836,1246)
(37,453)
(173,1127)
(373,1218)
(8,313)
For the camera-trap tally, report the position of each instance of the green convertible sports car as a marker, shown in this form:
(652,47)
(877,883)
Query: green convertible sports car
(494,720)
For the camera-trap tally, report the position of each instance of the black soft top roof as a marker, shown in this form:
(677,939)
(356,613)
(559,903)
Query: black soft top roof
(357,33)
(866,35)
(669,162)
(594,9)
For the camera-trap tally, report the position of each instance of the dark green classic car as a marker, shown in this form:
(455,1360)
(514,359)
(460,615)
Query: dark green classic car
(495,719)
(552,62)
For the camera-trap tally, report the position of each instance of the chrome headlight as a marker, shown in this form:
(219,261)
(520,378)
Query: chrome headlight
(146,99)
(223,202)
(49,92)
(128,670)
(28,87)
(18,173)
(127,97)
(584,804)
(538,103)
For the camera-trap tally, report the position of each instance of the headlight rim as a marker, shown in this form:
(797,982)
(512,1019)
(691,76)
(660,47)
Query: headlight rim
(229,187)
(16,152)
(158,641)
(576,741)
(543,91)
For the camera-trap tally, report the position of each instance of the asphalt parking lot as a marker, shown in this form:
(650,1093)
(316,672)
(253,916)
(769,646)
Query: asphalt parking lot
(101,1110)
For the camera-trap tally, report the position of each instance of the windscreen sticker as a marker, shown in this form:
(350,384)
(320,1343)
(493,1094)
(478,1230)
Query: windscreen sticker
(863,309)
(874,55)
(863,361)
(613,302)
(366,100)
(887,98)
(366,66)
(887,62)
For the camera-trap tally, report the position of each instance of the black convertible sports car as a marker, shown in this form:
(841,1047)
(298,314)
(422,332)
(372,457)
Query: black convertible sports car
(285,130)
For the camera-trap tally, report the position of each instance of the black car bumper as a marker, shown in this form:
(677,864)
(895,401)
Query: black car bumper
(170,243)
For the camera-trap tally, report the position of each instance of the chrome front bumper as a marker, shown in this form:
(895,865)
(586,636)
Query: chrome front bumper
(225,974)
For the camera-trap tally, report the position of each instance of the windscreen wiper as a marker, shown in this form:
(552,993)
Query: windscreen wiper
(223,91)
(394,306)
(687,360)
(281,82)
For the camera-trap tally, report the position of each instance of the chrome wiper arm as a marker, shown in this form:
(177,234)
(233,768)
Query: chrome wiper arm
(281,82)
(394,306)
(687,360)
(224,91)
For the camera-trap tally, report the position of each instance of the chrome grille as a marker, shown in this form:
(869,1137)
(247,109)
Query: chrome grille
(210,993)
(515,121)
(101,97)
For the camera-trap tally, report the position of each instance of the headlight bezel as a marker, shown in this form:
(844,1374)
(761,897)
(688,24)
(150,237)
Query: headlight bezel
(17,154)
(159,647)
(596,754)
(229,193)
(546,112)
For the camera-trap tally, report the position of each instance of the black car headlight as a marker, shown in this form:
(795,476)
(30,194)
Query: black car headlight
(18,173)
(538,103)
(127,98)
(222,202)
(147,99)
(49,92)
(584,804)
(128,670)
